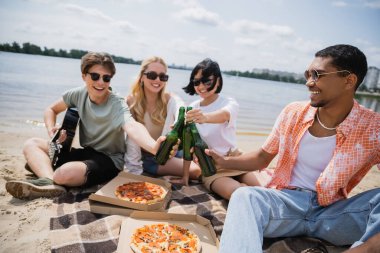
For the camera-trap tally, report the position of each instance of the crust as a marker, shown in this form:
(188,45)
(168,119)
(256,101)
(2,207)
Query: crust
(156,198)
(135,249)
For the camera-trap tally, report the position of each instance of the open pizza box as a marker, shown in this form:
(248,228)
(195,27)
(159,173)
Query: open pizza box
(197,224)
(109,209)
(104,200)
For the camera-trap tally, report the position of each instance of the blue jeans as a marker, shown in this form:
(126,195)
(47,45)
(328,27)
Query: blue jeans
(150,164)
(257,212)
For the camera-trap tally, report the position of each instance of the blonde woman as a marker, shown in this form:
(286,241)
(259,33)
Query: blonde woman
(157,110)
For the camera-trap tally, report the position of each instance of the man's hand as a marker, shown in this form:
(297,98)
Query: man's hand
(52,131)
(218,159)
(174,150)
(161,139)
(62,136)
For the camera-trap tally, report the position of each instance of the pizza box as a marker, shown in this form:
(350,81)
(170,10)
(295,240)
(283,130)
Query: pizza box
(199,225)
(103,208)
(106,194)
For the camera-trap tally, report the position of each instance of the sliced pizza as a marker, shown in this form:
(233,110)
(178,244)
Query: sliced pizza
(164,238)
(141,192)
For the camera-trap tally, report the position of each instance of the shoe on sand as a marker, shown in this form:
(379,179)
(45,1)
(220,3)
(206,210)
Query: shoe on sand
(34,188)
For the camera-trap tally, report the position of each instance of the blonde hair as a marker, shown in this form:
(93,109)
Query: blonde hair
(138,106)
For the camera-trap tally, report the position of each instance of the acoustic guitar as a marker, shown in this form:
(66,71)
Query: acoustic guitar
(70,123)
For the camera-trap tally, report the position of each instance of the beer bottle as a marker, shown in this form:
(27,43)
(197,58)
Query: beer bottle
(166,146)
(206,163)
(187,140)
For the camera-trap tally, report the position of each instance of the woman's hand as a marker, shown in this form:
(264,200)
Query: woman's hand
(196,115)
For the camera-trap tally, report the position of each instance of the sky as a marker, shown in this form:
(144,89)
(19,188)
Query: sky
(242,35)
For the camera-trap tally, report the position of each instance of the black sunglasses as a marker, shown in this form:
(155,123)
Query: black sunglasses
(206,81)
(96,76)
(151,75)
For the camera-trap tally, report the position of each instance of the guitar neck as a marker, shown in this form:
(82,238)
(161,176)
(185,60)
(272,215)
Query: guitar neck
(70,123)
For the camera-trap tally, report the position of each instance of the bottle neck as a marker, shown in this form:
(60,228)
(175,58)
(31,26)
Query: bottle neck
(180,120)
(194,132)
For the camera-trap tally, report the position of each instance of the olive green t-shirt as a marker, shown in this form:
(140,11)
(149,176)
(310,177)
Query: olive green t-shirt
(101,126)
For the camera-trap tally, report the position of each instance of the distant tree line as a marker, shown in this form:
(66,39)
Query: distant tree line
(29,48)
(267,76)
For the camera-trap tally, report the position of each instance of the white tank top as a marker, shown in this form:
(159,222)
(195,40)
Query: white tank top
(314,154)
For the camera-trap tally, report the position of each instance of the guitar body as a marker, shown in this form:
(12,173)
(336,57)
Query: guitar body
(70,123)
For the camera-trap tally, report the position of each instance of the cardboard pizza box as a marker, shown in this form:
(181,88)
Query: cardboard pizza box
(199,225)
(109,209)
(106,194)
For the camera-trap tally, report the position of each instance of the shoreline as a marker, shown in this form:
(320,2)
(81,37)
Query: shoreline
(25,225)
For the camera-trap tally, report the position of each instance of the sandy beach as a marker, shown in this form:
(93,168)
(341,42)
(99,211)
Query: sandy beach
(24,225)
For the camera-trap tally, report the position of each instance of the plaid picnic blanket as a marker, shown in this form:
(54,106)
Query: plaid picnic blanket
(75,229)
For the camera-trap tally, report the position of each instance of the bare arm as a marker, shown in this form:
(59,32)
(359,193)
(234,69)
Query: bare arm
(50,115)
(219,116)
(139,134)
(255,160)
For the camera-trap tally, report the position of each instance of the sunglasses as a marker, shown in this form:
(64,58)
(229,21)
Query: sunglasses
(206,81)
(151,75)
(315,75)
(96,76)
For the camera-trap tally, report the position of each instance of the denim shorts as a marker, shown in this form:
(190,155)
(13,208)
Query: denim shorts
(100,167)
(150,164)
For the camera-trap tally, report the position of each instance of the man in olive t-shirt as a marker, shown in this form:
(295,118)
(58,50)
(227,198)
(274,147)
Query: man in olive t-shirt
(104,120)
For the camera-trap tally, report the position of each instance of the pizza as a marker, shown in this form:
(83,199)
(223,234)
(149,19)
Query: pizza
(164,238)
(140,192)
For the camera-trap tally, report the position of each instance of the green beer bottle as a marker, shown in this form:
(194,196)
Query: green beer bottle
(206,163)
(163,152)
(187,140)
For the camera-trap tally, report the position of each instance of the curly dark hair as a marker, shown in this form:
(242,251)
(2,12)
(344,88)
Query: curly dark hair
(346,57)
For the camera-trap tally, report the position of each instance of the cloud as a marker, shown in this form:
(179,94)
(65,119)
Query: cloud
(373,56)
(362,41)
(198,46)
(303,46)
(273,52)
(41,1)
(97,15)
(374,50)
(339,3)
(184,3)
(26,28)
(245,41)
(125,26)
(375,4)
(252,27)
(89,12)
(199,15)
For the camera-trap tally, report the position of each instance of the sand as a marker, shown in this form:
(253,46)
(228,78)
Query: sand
(24,225)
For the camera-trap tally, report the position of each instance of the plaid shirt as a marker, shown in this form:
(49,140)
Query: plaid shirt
(357,149)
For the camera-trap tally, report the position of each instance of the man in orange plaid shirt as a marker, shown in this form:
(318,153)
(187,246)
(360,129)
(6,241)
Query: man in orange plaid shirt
(325,147)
